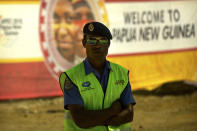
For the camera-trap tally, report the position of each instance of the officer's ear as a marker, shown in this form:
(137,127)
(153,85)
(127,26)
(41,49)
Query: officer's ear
(83,42)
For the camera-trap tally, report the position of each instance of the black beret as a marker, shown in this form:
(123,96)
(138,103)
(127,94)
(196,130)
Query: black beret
(97,28)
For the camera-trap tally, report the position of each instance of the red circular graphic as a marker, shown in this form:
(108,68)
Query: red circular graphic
(60,31)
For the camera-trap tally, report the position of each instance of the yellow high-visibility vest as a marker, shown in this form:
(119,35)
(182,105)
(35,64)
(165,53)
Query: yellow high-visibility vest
(93,95)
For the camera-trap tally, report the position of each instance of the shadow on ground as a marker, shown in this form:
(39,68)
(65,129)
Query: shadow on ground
(170,88)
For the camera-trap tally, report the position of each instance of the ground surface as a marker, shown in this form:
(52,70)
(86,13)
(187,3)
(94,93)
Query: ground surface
(152,113)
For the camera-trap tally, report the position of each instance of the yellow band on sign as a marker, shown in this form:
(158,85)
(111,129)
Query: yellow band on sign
(19,1)
(151,70)
(21,60)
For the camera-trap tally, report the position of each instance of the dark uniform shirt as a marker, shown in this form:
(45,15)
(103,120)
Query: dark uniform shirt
(72,96)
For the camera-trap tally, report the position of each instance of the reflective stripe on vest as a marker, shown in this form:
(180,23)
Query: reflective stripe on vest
(92,93)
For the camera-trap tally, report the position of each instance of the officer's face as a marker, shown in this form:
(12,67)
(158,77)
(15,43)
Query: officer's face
(64,29)
(96,46)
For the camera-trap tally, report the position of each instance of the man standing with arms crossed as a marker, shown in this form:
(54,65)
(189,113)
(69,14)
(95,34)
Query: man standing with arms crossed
(97,93)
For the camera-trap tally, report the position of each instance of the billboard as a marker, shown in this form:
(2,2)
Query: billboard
(155,40)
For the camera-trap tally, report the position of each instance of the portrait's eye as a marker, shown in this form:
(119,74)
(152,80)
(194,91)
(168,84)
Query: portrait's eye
(56,18)
(78,16)
(90,16)
(68,18)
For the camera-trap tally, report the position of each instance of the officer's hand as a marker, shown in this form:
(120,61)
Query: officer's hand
(116,107)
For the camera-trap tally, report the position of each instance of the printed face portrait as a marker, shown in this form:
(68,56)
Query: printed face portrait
(69,17)
(64,29)
(60,29)
(83,14)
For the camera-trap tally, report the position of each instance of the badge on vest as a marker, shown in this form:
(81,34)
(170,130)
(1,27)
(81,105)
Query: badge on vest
(86,84)
(119,82)
(68,84)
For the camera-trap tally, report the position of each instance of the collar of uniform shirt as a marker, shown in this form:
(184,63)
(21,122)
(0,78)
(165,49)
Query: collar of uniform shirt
(89,68)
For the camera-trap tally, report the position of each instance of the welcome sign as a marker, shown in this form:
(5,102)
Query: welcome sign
(154,26)
(155,40)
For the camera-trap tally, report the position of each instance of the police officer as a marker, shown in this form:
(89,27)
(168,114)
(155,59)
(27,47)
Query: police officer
(97,93)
